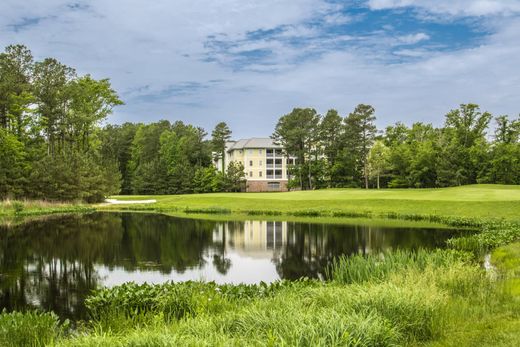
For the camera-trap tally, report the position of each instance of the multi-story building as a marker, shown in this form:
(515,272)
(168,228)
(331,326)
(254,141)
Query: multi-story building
(265,165)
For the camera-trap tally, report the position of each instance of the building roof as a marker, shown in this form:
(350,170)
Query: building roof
(254,142)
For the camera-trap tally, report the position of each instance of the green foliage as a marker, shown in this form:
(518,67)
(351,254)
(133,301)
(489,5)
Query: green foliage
(206,180)
(370,268)
(491,235)
(30,329)
(49,118)
(219,136)
(298,133)
(13,165)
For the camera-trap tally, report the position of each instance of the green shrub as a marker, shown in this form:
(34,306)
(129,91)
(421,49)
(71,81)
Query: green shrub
(208,210)
(130,303)
(491,235)
(18,207)
(31,328)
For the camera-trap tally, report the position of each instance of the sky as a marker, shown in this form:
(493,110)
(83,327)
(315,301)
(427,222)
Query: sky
(249,62)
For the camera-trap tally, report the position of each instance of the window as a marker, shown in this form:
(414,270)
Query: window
(250,173)
(269,152)
(270,174)
(259,163)
(277,173)
(250,151)
(270,163)
(250,163)
(278,163)
(273,186)
(259,173)
(259,151)
(278,153)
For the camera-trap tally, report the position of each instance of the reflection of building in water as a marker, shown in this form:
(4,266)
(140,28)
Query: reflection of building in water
(252,238)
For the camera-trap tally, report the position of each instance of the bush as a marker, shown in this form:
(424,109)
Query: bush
(18,207)
(31,328)
(492,235)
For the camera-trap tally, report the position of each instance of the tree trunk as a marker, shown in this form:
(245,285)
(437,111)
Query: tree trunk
(310,176)
(377,181)
(224,161)
(366,176)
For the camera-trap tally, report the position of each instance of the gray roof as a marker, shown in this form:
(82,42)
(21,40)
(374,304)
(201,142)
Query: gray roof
(255,142)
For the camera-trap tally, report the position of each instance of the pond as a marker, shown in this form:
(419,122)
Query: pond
(55,262)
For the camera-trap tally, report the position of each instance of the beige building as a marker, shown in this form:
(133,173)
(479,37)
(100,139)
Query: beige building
(265,165)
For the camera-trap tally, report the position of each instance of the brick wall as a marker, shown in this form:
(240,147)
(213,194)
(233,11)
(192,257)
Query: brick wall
(261,186)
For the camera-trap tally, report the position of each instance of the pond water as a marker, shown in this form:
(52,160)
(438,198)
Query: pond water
(55,262)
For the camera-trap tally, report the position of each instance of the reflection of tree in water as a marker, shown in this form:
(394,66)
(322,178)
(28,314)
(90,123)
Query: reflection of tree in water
(162,242)
(47,263)
(220,262)
(310,248)
(50,263)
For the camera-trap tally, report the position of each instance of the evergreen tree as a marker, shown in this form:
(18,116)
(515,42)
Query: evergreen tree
(360,133)
(220,135)
(298,133)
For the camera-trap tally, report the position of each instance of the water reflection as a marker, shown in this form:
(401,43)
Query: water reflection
(54,263)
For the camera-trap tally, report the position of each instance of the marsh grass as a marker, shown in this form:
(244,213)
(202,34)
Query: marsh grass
(398,299)
(207,210)
(21,208)
(31,328)
(377,267)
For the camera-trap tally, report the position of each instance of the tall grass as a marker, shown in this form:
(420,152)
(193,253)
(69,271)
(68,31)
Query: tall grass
(39,207)
(377,267)
(32,328)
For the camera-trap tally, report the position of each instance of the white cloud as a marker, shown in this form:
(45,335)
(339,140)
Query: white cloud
(452,7)
(152,50)
(413,38)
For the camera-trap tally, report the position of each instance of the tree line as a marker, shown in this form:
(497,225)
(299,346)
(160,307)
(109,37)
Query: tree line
(54,146)
(170,158)
(49,130)
(335,151)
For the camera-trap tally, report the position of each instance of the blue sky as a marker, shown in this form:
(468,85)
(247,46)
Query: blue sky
(249,62)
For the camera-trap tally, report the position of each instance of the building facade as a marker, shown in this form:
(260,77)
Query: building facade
(265,165)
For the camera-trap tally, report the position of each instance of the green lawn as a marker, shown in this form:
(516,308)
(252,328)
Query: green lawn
(475,201)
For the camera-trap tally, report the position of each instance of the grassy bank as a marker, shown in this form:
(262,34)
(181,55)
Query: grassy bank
(472,202)
(23,208)
(439,298)
(424,298)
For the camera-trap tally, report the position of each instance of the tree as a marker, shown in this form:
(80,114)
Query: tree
(51,84)
(360,134)
(16,73)
(331,134)
(298,134)
(378,160)
(220,135)
(205,180)
(91,101)
(504,163)
(235,177)
(12,165)
(464,145)
(115,145)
